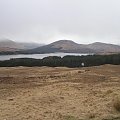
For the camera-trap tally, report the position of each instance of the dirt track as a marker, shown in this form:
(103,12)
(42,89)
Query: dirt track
(44,93)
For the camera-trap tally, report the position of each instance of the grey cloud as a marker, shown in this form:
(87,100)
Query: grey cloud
(84,21)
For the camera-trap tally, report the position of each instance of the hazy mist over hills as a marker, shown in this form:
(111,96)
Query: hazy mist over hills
(45,21)
(10,45)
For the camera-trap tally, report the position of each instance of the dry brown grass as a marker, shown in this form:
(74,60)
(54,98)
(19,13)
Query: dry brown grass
(45,93)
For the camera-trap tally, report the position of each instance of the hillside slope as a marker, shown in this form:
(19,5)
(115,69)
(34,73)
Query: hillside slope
(66,46)
(70,46)
(9,45)
(104,48)
(62,46)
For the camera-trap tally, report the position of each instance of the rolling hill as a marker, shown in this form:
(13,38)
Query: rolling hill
(9,45)
(66,46)
(69,46)
(104,48)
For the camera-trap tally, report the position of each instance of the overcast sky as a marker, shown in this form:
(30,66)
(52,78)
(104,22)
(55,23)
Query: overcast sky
(45,21)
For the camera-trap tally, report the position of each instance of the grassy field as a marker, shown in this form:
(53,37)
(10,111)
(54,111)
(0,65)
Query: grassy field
(46,93)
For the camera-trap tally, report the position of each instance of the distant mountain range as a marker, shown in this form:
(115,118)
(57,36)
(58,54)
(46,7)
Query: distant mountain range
(104,47)
(67,46)
(9,45)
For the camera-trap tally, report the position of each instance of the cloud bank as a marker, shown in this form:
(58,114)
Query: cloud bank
(44,21)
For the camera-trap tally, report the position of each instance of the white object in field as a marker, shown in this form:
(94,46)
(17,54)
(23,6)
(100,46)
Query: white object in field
(82,64)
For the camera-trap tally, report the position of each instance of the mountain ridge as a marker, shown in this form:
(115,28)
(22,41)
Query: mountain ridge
(67,46)
(7,45)
(70,46)
(104,47)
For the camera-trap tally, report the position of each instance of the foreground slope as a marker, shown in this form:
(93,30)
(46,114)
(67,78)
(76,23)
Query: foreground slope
(45,93)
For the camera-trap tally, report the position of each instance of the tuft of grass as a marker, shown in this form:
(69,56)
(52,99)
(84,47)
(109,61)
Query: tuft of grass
(112,118)
(69,117)
(117,104)
(91,115)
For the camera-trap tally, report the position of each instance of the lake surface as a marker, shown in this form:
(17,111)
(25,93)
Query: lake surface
(37,56)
